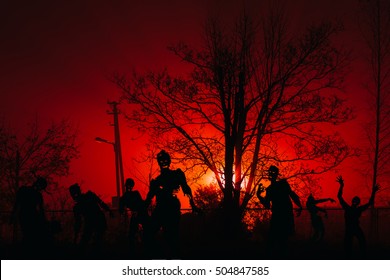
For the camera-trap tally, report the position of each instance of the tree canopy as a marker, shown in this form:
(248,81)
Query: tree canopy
(47,153)
(257,94)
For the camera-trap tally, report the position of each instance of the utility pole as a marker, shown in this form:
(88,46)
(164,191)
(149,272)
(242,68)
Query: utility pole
(117,148)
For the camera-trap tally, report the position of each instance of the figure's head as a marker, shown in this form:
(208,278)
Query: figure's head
(75,191)
(273,172)
(355,201)
(163,159)
(129,184)
(40,184)
(310,198)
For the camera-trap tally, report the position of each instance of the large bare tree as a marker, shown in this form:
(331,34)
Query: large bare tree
(257,94)
(46,153)
(375,26)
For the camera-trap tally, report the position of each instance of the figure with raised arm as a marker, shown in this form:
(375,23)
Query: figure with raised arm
(352,215)
(166,214)
(316,220)
(278,197)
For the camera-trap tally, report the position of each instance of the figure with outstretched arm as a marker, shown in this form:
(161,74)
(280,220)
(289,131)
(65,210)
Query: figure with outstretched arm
(279,197)
(316,220)
(352,215)
(166,214)
(88,217)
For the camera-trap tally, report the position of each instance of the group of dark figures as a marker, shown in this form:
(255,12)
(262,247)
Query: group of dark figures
(89,217)
(278,198)
(90,222)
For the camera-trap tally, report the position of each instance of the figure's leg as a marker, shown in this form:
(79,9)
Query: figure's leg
(348,243)
(316,233)
(283,243)
(171,229)
(277,245)
(150,231)
(99,242)
(362,242)
(321,230)
(133,229)
(144,220)
(84,240)
(99,229)
(28,239)
(321,234)
(271,239)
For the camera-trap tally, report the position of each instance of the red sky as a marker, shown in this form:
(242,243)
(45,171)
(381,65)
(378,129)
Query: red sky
(54,59)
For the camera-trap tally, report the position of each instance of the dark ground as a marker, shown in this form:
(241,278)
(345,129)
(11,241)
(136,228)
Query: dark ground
(205,239)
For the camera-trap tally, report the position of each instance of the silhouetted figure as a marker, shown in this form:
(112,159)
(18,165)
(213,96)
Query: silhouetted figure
(316,220)
(352,215)
(29,209)
(166,214)
(89,216)
(278,198)
(133,201)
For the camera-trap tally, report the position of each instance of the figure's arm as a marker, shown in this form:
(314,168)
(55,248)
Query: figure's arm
(77,224)
(295,199)
(15,209)
(321,201)
(187,191)
(321,209)
(138,203)
(121,207)
(324,200)
(265,201)
(372,198)
(41,209)
(104,206)
(152,192)
(340,193)
(184,185)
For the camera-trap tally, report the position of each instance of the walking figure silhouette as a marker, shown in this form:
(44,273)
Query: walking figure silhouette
(133,201)
(89,216)
(166,214)
(29,210)
(316,220)
(278,198)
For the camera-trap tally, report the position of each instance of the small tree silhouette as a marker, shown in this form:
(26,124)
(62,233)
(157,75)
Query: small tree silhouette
(39,153)
(208,197)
